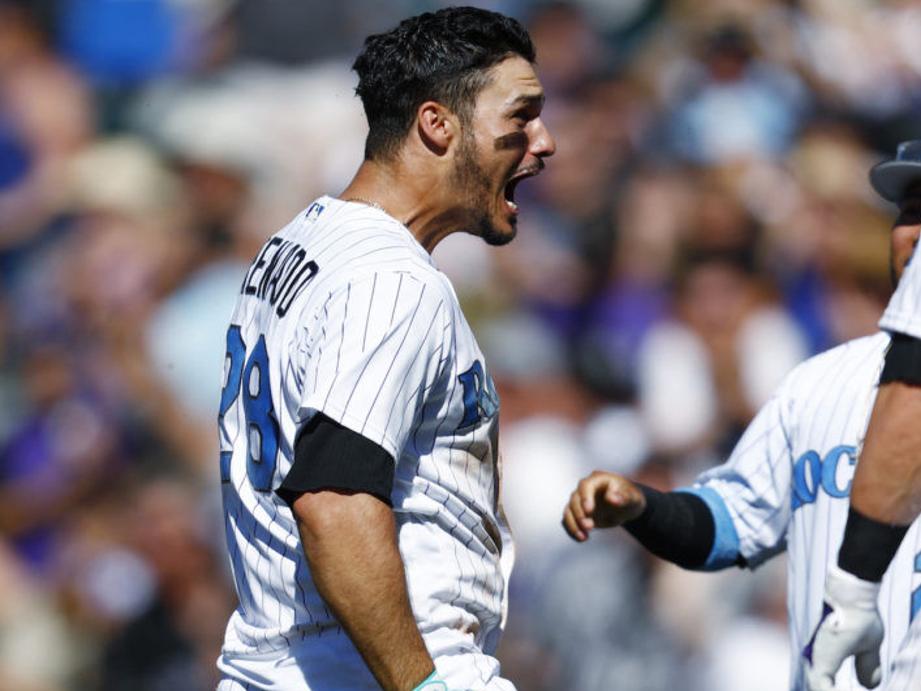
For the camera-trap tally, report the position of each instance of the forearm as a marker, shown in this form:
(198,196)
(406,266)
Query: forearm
(887,482)
(675,526)
(351,547)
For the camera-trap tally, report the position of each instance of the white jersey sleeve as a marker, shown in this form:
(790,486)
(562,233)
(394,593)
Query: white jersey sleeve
(749,495)
(903,313)
(375,349)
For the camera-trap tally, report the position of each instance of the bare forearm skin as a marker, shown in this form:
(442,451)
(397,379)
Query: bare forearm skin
(887,483)
(351,546)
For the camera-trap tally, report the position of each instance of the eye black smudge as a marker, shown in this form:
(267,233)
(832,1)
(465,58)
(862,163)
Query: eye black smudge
(512,140)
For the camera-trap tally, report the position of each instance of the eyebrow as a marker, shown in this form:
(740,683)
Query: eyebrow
(527,100)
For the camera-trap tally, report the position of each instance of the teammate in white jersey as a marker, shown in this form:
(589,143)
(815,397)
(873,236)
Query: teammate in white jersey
(786,487)
(358,420)
(886,494)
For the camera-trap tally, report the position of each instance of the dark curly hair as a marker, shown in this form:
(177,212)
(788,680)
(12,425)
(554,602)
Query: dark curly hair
(442,56)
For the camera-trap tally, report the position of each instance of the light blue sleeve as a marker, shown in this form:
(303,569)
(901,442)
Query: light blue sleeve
(725,550)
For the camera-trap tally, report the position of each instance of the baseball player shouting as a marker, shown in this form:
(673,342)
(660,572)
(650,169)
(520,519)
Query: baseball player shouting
(358,421)
(786,486)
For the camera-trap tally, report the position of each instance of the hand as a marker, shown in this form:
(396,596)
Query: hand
(601,500)
(850,625)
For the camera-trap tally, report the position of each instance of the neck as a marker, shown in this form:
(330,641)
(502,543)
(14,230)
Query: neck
(414,198)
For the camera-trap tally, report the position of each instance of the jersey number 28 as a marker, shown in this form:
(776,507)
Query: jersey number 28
(252,380)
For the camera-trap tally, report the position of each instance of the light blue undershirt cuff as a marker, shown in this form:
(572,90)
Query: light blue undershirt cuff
(433,682)
(725,550)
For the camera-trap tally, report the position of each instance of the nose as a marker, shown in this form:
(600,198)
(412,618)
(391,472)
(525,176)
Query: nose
(542,142)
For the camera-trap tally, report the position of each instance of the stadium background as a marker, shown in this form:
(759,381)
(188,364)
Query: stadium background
(705,224)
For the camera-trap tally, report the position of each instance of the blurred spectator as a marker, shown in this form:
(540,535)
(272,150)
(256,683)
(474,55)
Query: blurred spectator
(64,450)
(38,652)
(118,42)
(173,641)
(726,352)
(727,104)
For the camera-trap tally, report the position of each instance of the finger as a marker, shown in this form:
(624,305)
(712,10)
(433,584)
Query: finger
(575,506)
(869,672)
(828,653)
(585,518)
(819,682)
(587,489)
(593,488)
(569,524)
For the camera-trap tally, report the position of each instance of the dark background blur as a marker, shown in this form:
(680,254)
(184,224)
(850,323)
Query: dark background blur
(705,225)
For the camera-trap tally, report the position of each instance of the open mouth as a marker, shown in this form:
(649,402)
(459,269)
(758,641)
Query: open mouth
(513,181)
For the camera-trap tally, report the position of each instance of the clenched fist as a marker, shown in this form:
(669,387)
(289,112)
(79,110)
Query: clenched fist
(601,500)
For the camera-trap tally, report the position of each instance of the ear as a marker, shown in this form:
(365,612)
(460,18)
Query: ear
(437,125)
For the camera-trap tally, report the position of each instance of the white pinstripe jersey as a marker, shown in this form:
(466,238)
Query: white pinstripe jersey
(343,312)
(903,313)
(787,484)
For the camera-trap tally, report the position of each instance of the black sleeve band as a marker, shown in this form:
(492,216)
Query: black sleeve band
(868,546)
(903,360)
(676,526)
(330,456)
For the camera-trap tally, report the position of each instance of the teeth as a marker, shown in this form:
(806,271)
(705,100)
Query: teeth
(512,205)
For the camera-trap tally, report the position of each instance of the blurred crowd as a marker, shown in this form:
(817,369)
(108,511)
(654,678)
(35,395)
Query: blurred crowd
(705,225)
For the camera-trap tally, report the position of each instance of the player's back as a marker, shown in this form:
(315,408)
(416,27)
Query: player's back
(342,312)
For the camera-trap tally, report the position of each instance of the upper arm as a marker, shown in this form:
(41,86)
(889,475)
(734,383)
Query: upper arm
(376,349)
(327,513)
(330,456)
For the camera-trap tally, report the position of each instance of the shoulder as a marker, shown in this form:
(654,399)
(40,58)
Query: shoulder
(854,363)
(399,281)
(353,243)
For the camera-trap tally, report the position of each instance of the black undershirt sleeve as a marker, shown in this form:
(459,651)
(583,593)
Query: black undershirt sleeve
(903,361)
(676,526)
(328,455)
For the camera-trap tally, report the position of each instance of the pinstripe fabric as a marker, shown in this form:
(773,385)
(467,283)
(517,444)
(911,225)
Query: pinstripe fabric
(903,313)
(786,486)
(376,341)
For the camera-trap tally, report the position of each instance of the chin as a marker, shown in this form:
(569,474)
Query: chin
(496,236)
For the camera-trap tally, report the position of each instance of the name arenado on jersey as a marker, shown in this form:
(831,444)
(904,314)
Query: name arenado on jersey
(279,278)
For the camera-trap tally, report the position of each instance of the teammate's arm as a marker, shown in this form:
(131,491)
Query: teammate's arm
(694,527)
(350,542)
(676,526)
